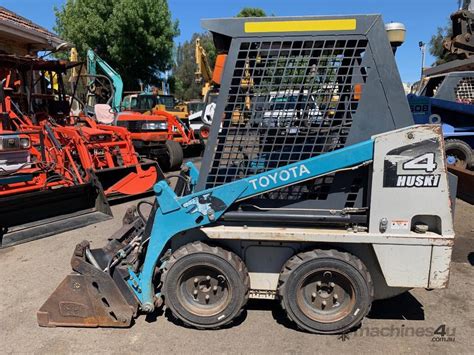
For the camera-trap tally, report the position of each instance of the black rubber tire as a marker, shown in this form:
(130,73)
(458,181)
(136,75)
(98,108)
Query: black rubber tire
(175,155)
(227,263)
(462,150)
(299,268)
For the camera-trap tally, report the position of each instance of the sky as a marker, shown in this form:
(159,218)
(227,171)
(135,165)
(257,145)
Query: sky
(421,17)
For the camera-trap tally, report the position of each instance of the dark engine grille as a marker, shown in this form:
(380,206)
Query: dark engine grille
(132,126)
(288,101)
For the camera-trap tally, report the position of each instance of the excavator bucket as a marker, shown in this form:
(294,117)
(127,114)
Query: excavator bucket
(130,180)
(40,214)
(92,296)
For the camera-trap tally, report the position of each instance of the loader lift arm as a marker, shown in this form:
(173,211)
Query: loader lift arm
(93,60)
(178,214)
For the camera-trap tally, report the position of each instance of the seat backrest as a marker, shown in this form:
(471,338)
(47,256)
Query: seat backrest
(104,114)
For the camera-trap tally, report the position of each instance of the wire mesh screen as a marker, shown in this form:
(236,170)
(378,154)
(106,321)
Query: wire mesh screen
(465,91)
(288,101)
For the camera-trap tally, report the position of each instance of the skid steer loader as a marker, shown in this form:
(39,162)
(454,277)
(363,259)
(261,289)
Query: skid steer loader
(342,202)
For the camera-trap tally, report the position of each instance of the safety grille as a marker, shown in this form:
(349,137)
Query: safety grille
(288,101)
(132,126)
(465,91)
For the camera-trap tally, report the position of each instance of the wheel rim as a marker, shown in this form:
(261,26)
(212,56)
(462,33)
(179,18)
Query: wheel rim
(456,157)
(204,290)
(204,133)
(451,159)
(325,295)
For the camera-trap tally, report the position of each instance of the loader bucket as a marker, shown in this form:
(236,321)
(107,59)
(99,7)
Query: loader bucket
(90,297)
(40,214)
(130,180)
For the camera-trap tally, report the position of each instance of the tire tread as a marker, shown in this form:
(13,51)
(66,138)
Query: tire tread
(295,261)
(231,258)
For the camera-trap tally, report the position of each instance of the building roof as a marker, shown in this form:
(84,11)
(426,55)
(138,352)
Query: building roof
(33,63)
(18,28)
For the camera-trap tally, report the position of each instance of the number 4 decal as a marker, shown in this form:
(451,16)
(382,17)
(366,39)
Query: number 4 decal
(424,162)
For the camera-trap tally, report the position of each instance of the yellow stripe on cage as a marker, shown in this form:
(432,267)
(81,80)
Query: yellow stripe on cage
(301,26)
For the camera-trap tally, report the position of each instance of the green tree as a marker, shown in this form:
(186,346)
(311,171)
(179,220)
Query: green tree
(183,81)
(134,36)
(251,12)
(184,84)
(436,46)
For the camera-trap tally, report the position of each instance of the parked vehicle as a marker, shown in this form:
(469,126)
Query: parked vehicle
(157,130)
(448,99)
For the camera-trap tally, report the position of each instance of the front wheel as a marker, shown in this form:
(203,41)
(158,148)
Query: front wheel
(175,155)
(205,287)
(325,291)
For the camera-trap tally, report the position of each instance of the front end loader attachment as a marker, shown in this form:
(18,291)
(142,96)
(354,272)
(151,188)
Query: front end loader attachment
(39,214)
(129,180)
(96,294)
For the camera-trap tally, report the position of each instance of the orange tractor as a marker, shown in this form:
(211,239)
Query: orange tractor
(159,135)
(57,171)
(160,130)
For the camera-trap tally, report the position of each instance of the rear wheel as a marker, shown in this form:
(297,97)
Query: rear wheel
(175,155)
(205,287)
(325,291)
(458,153)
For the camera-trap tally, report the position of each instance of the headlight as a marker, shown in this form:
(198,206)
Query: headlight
(155,126)
(25,143)
(12,142)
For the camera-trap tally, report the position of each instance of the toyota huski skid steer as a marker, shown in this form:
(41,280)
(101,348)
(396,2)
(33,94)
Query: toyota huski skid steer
(343,202)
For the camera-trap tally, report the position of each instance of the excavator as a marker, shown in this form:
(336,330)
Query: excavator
(93,61)
(461,43)
(210,80)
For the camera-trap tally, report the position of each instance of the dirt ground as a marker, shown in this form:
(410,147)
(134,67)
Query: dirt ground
(405,324)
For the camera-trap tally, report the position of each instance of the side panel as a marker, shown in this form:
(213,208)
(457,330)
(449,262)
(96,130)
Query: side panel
(409,183)
(439,272)
(404,265)
(415,266)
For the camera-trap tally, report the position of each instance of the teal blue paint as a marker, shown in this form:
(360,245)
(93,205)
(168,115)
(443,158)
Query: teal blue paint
(178,214)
